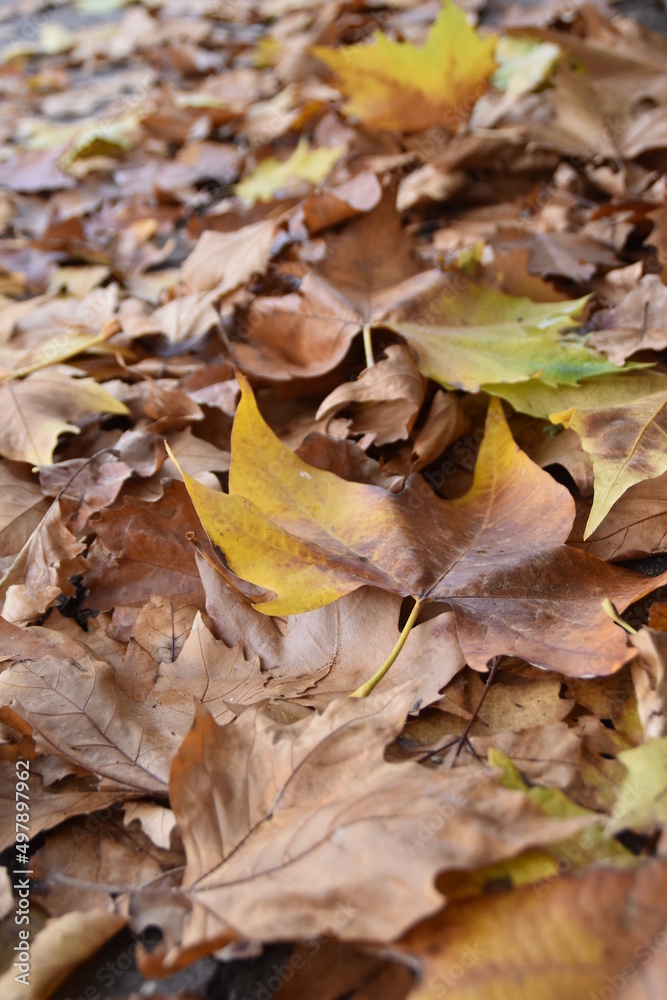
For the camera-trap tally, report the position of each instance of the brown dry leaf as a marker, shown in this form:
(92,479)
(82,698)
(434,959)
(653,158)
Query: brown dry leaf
(637,324)
(206,669)
(657,616)
(346,459)
(158,635)
(331,206)
(142,551)
(299,334)
(635,526)
(223,261)
(157,822)
(51,802)
(578,937)
(368,272)
(658,237)
(197,457)
(43,569)
(39,408)
(343,970)
(563,448)
(24,505)
(445,423)
(650,680)
(384,401)
(320,812)
(110,857)
(35,170)
(77,711)
(84,486)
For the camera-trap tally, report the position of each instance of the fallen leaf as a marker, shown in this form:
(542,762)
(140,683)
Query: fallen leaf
(396,85)
(323,654)
(648,675)
(75,708)
(620,420)
(144,552)
(485,336)
(109,858)
(41,407)
(385,399)
(320,811)
(641,802)
(636,324)
(43,568)
(334,204)
(24,506)
(273,177)
(327,537)
(573,937)
(635,526)
(369,271)
(223,261)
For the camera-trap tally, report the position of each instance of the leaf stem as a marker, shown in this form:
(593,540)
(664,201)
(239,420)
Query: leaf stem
(610,610)
(365,689)
(368,346)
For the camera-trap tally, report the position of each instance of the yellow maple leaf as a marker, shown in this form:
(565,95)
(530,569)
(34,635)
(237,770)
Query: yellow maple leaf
(397,85)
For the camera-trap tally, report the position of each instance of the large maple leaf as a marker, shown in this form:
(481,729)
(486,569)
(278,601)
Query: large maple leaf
(312,841)
(496,555)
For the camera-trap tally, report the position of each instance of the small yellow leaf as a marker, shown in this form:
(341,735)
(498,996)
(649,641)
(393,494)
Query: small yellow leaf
(641,803)
(397,85)
(272,176)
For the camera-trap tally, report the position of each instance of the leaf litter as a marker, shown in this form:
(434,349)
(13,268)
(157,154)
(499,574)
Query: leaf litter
(332,362)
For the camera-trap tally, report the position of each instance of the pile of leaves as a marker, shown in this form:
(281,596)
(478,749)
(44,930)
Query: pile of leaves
(328,330)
